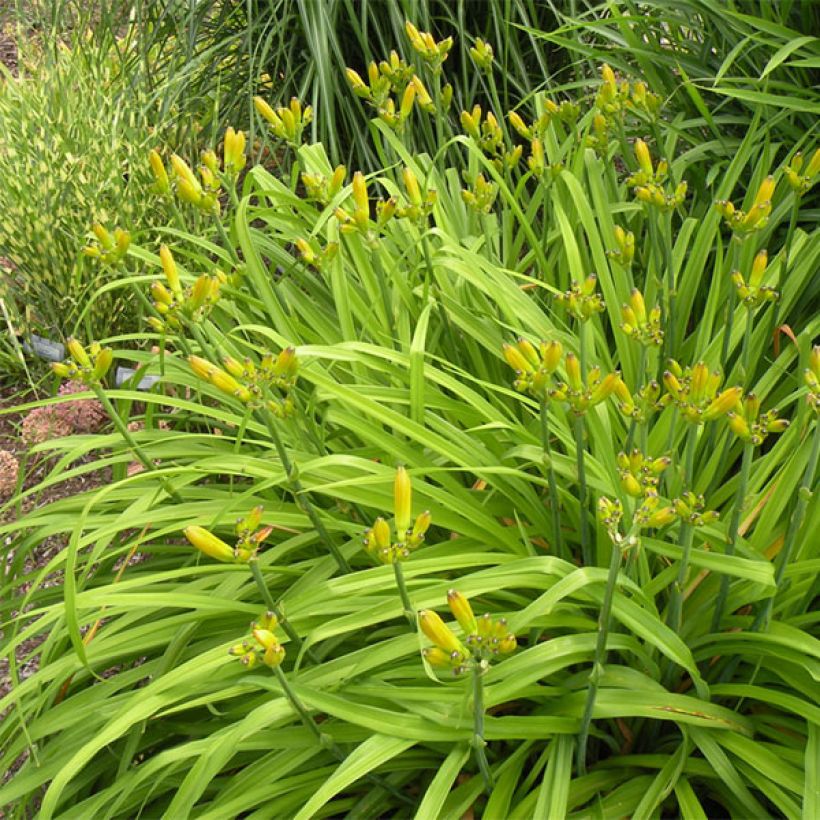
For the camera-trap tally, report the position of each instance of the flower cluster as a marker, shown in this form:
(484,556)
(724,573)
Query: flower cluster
(359,221)
(638,324)
(583,394)
(801,181)
(318,259)
(694,392)
(485,638)
(378,540)
(482,54)
(109,249)
(490,138)
(481,195)
(626,247)
(250,383)
(746,222)
(581,300)
(322,189)
(86,366)
(249,537)
(648,181)
(419,205)
(754,293)
(393,88)
(176,304)
(431,52)
(639,474)
(287,123)
(750,426)
(642,404)
(264,648)
(690,508)
(533,367)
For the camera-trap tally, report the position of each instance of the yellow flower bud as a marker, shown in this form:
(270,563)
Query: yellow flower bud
(162,184)
(462,611)
(515,359)
(78,353)
(201,367)
(573,371)
(403,497)
(102,364)
(170,269)
(643,156)
(725,402)
(208,543)
(439,633)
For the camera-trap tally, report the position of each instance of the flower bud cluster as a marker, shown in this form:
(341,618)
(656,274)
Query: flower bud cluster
(639,474)
(750,426)
(378,540)
(419,204)
(249,537)
(359,221)
(481,195)
(648,181)
(110,250)
(801,181)
(431,52)
(626,247)
(86,366)
(264,648)
(754,293)
(322,189)
(286,123)
(581,300)
(533,367)
(250,383)
(583,394)
(746,222)
(490,138)
(690,508)
(176,304)
(482,54)
(642,404)
(485,638)
(202,192)
(638,324)
(320,258)
(695,392)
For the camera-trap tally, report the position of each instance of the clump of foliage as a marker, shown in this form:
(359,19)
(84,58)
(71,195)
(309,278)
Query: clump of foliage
(539,382)
(74,137)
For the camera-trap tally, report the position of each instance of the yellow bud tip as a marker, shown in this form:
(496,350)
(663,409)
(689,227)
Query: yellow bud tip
(402,495)
(208,543)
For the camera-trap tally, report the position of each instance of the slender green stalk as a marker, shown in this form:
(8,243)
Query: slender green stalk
(746,350)
(301,497)
(409,612)
(685,541)
(276,609)
(598,663)
(582,490)
(734,524)
(123,430)
(669,279)
(732,303)
(479,743)
(557,542)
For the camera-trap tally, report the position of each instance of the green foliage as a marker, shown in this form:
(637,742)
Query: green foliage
(75,135)
(317,332)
